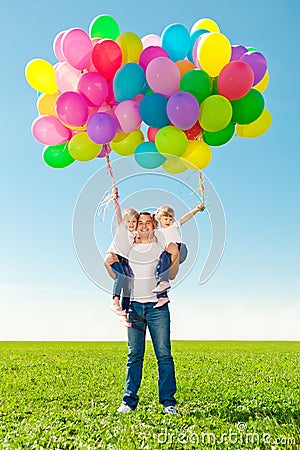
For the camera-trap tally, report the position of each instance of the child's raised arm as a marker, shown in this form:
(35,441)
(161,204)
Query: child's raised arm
(191,213)
(115,194)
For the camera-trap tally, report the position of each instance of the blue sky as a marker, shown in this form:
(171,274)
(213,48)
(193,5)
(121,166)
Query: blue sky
(254,293)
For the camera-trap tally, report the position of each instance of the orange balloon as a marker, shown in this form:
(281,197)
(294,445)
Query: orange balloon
(184,66)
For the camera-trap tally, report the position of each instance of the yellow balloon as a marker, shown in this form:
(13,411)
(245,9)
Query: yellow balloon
(46,104)
(256,128)
(214,52)
(131,46)
(82,148)
(205,24)
(262,85)
(125,144)
(197,156)
(174,165)
(41,76)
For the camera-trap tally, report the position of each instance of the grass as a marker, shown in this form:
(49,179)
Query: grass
(231,395)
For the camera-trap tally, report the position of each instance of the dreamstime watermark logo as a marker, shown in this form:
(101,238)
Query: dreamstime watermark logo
(238,435)
(145,190)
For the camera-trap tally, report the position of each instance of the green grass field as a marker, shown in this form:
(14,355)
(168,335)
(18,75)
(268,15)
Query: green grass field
(231,395)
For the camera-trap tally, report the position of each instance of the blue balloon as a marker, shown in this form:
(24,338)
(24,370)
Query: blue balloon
(175,39)
(194,37)
(129,81)
(153,110)
(147,156)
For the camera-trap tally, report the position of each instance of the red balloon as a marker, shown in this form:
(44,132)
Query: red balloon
(193,132)
(151,133)
(107,58)
(235,80)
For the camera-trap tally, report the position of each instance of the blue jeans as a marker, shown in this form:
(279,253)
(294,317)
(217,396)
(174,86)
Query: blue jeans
(123,281)
(164,262)
(142,315)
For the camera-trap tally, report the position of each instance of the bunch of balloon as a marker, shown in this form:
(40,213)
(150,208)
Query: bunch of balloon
(190,89)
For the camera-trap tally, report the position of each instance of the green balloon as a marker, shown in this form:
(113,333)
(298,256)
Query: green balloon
(198,83)
(104,27)
(215,89)
(171,141)
(251,49)
(215,113)
(57,156)
(219,137)
(248,108)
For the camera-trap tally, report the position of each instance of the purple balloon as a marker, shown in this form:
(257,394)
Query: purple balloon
(183,110)
(237,51)
(257,62)
(101,128)
(150,53)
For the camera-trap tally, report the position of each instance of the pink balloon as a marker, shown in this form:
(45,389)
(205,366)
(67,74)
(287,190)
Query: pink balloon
(50,131)
(102,154)
(235,80)
(151,39)
(72,109)
(57,46)
(77,48)
(67,77)
(149,53)
(128,115)
(93,88)
(110,96)
(163,76)
(90,67)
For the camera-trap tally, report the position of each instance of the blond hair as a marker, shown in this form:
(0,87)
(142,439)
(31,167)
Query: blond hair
(165,210)
(129,213)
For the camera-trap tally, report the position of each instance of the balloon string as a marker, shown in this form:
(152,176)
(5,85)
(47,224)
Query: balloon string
(112,197)
(201,189)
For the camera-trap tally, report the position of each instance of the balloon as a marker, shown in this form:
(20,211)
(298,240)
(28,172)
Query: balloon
(129,81)
(215,113)
(111,112)
(251,49)
(219,137)
(124,144)
(194,37)
(49,130)
(57,46)
(110,99)
(104,26)
(151,39)
(262,85)
(41,76)
(77,48)
(198,83)
(151,133)
(46,104)
(256,128)
(93,88)
(101,128)
(67,77)
(258,63)
(147,156)
(82,148)
(153,110)
(214,52)
(206,24)
(72,109)
(106,150)
(235,80)
(194,131)
(107,58)
(163,76)
(131,46)
(57,156)
(149,53)
(128,115)
(237,51)
(248,108)
(171,141)
(174,165)
(175,39)
(197,156)
(183,110)
(184,66)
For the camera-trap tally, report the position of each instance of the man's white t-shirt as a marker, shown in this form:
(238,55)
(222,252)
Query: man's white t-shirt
(168,234)
(143,259)
(122,241)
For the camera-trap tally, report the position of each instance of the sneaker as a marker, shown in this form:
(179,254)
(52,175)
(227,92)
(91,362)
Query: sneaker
(161,302)
(124,409)
(170,410)
(161,287)
(115,308)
